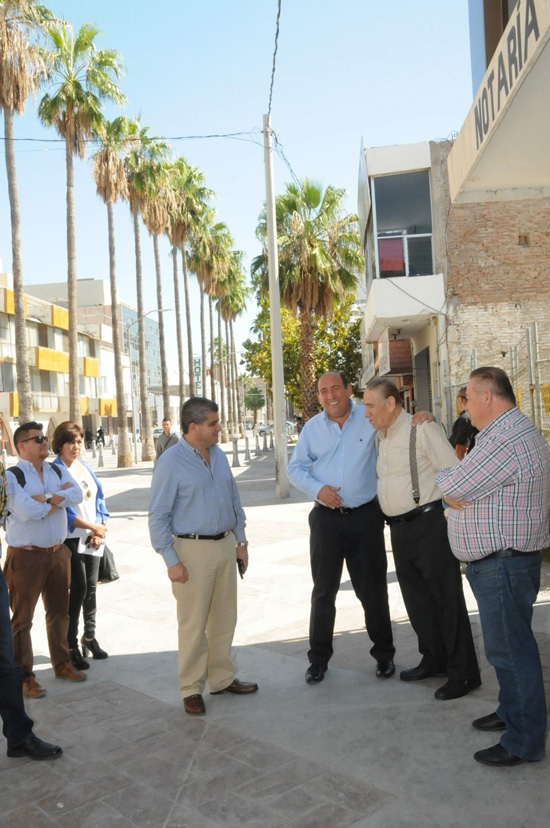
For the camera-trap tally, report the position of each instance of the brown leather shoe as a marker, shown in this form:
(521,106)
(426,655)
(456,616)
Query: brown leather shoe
(240,688)
(194,705)
(71,673)
(31,688)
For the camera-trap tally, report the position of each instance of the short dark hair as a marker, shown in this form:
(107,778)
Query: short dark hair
(22,431)
(196,410)
(66,432)
(338,374)
(167,420)
(497,381)
(386,387)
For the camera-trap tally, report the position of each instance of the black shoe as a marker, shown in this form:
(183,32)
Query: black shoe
(497,756)
(455,688)
(490,722)
(93,647)
(77,659)
(418,673)
(35,748)
(385,669)
(315,673)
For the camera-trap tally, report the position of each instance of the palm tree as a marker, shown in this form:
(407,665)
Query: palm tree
(319,256)
(20,65)
(155,213)
(231,303)
(189,204)
(110,179)
(144,148)
(84,78)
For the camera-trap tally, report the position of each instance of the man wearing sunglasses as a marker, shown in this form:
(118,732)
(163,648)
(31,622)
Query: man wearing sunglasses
(37,561)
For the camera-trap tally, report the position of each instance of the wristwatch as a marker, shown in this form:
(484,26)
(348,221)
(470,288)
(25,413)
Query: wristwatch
(242,543)
(48,497)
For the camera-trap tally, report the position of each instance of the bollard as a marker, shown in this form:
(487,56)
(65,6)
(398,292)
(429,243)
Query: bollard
(236,463)
(264,446)
(113,449)
(270,439)
(257,452)
(4,458)
(246,451)
(93,448)
(100,462)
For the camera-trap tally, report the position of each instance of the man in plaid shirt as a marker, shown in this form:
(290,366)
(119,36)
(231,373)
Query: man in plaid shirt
(498,523)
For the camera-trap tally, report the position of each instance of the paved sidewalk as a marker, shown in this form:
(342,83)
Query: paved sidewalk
(353,750)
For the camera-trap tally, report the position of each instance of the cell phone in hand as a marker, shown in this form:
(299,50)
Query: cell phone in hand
(240,567)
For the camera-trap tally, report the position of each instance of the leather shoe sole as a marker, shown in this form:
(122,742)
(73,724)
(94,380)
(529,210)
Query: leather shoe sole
(490,722)
(194,705)
(239,688)
(497,756)
(419,673)
(35,748)
(385,669)
(456,688)
(315,673)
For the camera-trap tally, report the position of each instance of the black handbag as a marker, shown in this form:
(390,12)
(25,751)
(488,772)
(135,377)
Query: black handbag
(107,567)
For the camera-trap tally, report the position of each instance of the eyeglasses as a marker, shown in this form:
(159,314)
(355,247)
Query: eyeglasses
(38,438)
(87,492)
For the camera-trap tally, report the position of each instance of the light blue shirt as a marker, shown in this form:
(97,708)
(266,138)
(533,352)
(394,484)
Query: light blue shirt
(189,496)
(29,522)
(327,455)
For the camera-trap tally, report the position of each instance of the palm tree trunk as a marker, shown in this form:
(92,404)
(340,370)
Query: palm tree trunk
(124,450)
(203,343)
(225,435)
(307,365)
(74,391)
(239,425)
(181,388)
(21,359)
(162,340)
(230,413)
(147,448)
(212,377)
(188,322)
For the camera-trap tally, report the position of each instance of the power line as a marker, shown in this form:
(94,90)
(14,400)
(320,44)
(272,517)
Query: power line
(274,56)
(243,136)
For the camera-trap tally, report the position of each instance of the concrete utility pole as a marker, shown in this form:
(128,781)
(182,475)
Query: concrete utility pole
(279,421)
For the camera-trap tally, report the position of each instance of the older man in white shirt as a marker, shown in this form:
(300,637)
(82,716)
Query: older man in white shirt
(427,571)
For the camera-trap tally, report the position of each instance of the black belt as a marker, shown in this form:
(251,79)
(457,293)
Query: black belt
(414,513)
(342,510)
(508,553)
(204,537)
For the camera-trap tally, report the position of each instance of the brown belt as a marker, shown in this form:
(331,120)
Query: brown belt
(39,548)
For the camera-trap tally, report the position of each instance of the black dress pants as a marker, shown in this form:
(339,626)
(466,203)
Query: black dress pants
(431,584)
(358,539)
(82,597)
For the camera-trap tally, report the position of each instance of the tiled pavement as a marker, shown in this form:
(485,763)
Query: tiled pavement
(351,751)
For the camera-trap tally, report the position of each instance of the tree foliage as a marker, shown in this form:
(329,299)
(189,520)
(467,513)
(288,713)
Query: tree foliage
(337,348)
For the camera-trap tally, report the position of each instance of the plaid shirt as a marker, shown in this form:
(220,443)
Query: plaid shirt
(506,479)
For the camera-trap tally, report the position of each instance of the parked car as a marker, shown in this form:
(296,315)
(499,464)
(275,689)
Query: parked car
(263,428)
(157,432)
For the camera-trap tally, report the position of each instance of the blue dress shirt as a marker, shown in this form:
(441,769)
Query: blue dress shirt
(189,496)
(327,455)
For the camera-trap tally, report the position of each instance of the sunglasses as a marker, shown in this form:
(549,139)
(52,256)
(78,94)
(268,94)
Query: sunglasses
(38,438)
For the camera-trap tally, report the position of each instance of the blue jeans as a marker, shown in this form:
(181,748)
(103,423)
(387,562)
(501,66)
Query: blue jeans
(505,590)
(16,723)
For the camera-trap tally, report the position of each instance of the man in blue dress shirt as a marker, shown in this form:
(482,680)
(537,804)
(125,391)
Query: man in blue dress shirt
(334,462)
(197,523)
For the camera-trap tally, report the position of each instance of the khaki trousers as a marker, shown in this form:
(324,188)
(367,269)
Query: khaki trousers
(30,573)
(207,613)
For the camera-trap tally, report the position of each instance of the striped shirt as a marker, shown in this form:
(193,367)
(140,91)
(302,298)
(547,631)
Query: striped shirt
(506,480)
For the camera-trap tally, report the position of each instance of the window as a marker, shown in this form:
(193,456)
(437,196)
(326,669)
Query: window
(403,224)
(7,376)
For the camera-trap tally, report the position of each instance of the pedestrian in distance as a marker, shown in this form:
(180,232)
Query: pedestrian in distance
(197,524)
(166,440)
(498,524)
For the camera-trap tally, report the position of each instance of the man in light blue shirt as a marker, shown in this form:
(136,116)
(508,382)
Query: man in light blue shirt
(197,524)
(334,462)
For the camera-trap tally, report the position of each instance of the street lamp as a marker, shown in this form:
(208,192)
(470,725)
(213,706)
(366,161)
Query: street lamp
(135,406)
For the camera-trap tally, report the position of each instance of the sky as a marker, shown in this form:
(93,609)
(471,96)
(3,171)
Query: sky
(391,72)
